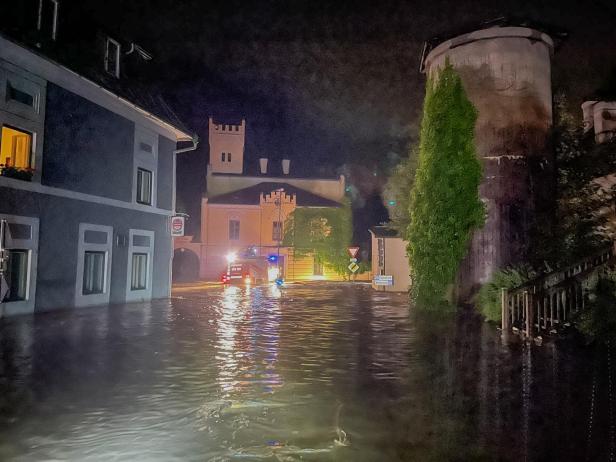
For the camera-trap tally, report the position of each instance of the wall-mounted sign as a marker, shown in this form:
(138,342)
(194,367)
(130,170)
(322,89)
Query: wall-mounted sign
(177,226)
(383,280)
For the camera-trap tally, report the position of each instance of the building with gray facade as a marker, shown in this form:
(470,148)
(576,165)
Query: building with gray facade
(87,171)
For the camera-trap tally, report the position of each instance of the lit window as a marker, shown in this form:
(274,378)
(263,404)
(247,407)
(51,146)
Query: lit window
(15,148)
(144,186)
(112,57)
(17,275)
(93,273)
(139,272)
(222,156)
(277,231)
(234,230)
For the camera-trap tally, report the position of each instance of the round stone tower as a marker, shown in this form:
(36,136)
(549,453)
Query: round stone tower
(506,73)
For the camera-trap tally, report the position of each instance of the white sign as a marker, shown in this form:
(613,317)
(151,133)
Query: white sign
(177,226)
(383,280)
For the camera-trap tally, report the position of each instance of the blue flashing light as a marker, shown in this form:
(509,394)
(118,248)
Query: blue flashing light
(279,282)
(272,258)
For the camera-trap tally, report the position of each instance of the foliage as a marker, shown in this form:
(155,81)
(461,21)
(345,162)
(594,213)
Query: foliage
(17,173)
(326,232)
(489,296)
(585,215)
(444,205)
(397,192)
(598,321)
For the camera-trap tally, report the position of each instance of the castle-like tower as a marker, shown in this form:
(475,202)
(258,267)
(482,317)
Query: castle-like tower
(226,147)
(506,73)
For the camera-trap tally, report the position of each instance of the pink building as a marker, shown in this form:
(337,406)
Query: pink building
(245,209)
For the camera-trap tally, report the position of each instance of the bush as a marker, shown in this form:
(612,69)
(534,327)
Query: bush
(598,321)
(325,232)
(489,296)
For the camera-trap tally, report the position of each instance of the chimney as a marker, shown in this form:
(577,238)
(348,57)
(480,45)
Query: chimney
(263,165)
(286,163)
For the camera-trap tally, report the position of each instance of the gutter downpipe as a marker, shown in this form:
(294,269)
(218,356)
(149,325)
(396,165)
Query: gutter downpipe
(195,145)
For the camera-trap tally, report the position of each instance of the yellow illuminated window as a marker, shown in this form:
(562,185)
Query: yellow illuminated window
(15,148)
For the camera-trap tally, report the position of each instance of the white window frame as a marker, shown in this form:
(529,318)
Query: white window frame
(23,306)
(115,72)
(133,295)
(21,116)
(145,160)
(93,299)
(54,25)
(26,82)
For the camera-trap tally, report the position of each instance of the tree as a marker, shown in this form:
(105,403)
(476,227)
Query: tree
(444,203)
(397,193)
(585,217)
(324,232)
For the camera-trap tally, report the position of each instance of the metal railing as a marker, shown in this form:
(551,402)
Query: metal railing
(550,301)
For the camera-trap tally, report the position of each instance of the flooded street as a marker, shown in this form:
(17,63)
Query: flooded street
(308,372)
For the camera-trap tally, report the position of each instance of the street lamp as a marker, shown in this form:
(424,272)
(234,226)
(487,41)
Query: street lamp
(231,257)
(279,191)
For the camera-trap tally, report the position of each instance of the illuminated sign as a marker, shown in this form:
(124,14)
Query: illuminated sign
(177,226)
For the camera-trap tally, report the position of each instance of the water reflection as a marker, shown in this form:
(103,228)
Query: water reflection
(303,372)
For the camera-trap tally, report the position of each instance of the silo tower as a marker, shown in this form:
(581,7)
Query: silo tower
(506,72)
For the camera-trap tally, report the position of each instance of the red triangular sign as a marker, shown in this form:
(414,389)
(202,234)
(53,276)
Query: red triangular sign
(353,251)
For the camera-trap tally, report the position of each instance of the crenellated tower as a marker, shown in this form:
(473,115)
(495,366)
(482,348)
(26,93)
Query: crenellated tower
(226,146)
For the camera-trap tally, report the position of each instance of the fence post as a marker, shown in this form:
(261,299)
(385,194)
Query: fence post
(528,314)
(505,317)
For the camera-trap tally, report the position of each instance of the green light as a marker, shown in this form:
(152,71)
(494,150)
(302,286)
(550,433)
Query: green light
(391,203)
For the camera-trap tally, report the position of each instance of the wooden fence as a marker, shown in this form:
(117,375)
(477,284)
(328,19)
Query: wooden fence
(549,302)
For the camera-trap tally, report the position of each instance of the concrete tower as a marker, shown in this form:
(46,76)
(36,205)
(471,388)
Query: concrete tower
(506,73)
(226,147)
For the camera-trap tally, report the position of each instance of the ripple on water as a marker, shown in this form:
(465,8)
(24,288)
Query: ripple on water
(307,372)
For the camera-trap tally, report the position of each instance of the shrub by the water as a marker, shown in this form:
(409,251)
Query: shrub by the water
(598,321)
(445,206)
(489,296)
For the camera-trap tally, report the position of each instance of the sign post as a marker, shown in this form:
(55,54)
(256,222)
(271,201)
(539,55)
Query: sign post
(353,266)
(177,226)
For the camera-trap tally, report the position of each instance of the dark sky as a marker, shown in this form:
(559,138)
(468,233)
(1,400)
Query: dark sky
(333,85)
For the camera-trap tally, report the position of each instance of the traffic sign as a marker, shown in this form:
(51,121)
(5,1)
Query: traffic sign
(353,251)
(353,267)
(353,260)
(383,280)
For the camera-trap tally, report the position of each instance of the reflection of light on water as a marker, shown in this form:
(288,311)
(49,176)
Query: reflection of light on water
(274,291)
(226,356)
(272,273)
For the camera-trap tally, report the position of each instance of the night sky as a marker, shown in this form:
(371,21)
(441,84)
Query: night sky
(335,86)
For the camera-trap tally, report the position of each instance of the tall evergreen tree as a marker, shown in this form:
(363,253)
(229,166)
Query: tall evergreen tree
(445,207)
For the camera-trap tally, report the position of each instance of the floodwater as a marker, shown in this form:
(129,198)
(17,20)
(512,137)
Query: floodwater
(314,372)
